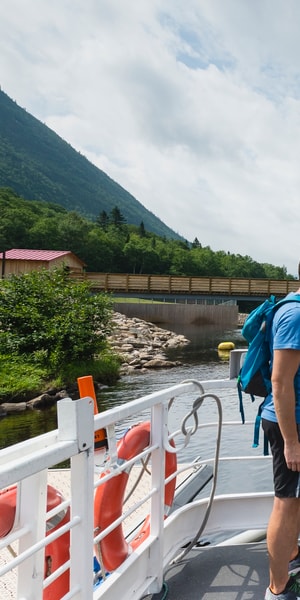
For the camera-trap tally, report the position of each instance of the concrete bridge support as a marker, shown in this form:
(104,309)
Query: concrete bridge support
(188,314)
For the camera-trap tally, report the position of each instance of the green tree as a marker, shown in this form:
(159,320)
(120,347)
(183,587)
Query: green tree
(142,230)
(116,217)
(181,262)
(273,272)
(196,243)
(103,220)
(45,234)
(98,251)
(72,231)
(140,254)
(47,316)
(204,262)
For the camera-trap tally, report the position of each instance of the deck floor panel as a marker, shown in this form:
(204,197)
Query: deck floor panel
(218,573)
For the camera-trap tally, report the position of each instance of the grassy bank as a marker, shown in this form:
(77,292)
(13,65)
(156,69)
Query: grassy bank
(22,380)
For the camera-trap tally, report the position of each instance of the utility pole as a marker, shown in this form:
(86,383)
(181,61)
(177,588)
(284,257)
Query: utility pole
(3,265)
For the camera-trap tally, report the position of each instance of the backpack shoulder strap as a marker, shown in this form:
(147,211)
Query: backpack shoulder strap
(295,298)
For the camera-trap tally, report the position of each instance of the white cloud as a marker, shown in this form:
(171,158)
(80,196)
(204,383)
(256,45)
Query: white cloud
(193,107)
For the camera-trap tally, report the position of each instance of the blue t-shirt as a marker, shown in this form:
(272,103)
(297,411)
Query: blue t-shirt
(285,336)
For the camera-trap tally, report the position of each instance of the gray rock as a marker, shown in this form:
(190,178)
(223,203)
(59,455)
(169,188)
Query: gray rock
(141,345)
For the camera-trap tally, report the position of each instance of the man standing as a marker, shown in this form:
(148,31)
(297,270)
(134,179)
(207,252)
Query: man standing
(281,423)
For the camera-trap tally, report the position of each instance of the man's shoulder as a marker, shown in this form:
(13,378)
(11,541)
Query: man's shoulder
(286,327)
(290,307)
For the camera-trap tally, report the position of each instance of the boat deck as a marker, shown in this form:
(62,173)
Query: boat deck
(237,572)
(217,568)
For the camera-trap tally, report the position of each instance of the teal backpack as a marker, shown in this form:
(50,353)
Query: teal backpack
(255,373)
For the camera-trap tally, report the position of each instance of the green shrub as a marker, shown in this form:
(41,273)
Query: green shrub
(104,368)
(52,320)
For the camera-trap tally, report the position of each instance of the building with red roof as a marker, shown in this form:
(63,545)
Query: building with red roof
(19,260)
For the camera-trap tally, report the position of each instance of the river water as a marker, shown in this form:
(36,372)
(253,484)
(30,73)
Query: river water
(200,360)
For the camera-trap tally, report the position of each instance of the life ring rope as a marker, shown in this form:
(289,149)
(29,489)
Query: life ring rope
(139,478)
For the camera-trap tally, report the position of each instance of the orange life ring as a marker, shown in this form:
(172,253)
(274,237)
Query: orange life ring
(7,510)
(57,552)
(109,499)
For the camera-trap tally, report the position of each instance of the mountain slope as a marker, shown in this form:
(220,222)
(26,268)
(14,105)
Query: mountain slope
(39,165)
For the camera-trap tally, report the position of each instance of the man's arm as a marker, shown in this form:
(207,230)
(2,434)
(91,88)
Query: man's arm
(285,366)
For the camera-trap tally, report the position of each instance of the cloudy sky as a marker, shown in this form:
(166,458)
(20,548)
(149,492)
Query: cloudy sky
(193,106)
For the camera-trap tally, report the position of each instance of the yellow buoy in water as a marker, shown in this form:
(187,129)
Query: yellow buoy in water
(226,346)
(224,355)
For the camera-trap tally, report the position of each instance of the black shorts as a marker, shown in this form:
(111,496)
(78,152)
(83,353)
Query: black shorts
(286,482)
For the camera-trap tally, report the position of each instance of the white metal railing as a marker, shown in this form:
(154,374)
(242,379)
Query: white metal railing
(26,464)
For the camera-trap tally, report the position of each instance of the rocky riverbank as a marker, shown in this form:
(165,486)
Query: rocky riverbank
(143,345)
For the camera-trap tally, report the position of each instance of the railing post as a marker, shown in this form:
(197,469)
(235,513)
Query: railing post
(80,423)
(32,500)
(159,422)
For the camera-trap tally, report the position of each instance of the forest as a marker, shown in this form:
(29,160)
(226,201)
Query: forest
(108,243)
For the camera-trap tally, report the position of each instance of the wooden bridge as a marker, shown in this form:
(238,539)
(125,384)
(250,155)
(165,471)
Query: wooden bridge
(171,285)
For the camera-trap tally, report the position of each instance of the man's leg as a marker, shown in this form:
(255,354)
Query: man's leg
(282,540)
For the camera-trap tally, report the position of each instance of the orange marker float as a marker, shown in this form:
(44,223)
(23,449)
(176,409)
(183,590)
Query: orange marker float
(86,389)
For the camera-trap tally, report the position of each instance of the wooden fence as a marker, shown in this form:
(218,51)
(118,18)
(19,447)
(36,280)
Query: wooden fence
(169,284)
